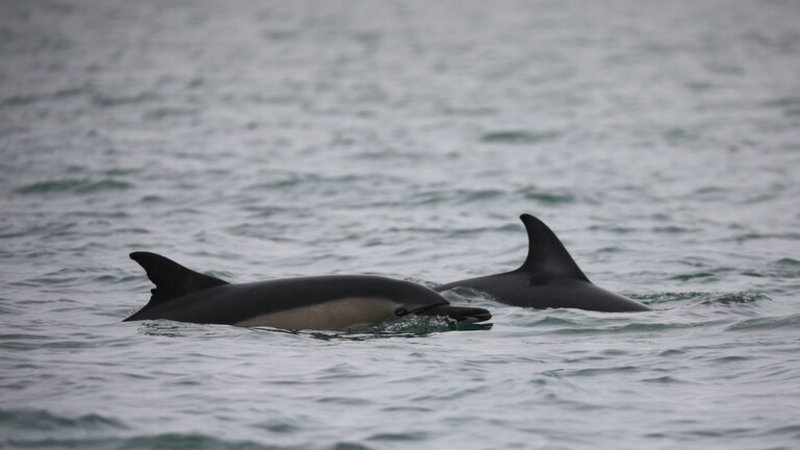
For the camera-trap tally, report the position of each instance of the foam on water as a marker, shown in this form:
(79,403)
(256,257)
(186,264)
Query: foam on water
(271,139)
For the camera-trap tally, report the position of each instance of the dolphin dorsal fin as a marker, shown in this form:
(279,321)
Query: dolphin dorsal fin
(172,280)
(546,254)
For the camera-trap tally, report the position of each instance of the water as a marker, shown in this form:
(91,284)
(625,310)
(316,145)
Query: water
(254,139)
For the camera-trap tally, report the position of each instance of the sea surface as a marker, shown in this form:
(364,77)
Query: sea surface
(254,139)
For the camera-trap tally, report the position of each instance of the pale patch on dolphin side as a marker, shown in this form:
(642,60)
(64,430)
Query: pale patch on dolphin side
(335,314)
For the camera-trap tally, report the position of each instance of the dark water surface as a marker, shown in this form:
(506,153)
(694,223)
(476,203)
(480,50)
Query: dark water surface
(259,139)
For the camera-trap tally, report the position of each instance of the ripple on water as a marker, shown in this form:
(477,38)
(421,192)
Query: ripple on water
(556,196)
(46,421)
(702,276)
(73,185)
(705,298)
(793,431)
(767,323)
(45,429)
(520,136)
(406,437)
(667,380)
(784,268)
(59,94)
(738,298)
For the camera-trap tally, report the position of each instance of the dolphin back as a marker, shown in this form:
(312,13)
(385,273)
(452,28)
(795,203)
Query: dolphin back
(549,278)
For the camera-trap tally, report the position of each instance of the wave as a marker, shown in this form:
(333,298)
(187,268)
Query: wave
(519,136)
(705,298)
(59,94)
(767,323)
(73,185)
(556,196)
(192,441)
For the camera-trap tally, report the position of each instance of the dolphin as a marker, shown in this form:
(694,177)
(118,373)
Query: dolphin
(549,278)
(305,303)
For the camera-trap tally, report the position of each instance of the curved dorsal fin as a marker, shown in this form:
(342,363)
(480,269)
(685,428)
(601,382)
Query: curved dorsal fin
(546,254)
(172,280)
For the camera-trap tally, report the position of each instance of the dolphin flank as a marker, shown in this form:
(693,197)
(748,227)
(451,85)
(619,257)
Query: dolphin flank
(314,303)
(549,278)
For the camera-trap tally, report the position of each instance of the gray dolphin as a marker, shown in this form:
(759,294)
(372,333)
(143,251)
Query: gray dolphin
(305,303)
(549,278)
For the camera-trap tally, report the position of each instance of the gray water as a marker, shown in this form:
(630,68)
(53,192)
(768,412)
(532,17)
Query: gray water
(261,139)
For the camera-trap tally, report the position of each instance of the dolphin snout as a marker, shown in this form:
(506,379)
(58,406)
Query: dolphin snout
(459,313)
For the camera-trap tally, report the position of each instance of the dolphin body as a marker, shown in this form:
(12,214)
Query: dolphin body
(549,278)
(313,303)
